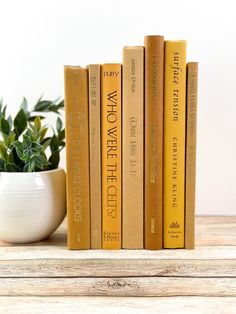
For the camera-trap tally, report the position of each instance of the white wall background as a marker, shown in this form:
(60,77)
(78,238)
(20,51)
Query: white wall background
(38,37)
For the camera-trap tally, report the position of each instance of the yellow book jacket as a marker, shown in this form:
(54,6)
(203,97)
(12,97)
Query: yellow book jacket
(111,155)
(174,143)
(77,157)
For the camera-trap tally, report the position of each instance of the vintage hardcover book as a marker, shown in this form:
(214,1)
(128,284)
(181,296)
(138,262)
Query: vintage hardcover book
(95,156)
(191,121)
(154,77)
(77,157)
(111,75)
(132,150)
(174,143)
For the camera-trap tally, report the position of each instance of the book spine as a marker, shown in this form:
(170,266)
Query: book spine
(95,156)
(174,143)
(132,150)
(111,155)
(154,78)
(191,115)
(77,157)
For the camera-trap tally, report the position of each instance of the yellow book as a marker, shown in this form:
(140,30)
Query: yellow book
(95,156)
(174,143)
(111,155)
(77,157)
(132,149)
(190,175)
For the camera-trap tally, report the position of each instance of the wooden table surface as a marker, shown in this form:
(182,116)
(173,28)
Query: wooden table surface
(47,278)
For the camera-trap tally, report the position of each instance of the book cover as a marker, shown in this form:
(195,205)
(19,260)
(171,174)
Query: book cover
(111,75)
(174,143)
(190,175)
(132,149)
(95,156)
(77,157)
(154,78)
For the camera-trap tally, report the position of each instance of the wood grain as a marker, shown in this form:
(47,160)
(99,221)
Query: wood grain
(48,269)
(58,252)
(117,268)
(118,305)
(129,286)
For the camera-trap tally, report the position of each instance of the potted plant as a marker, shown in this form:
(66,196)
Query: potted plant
(32,187)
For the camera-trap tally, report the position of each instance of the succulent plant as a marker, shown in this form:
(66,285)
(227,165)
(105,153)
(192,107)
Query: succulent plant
(26,143)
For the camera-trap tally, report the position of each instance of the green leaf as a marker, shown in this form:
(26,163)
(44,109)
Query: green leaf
(9,119)
(37,123)
(36,147)
(20,122)
(54,145)
(29,167)
(61,105)
(61,135)
(2,163)
(11,139)
(28,132)
(33,128)
(32,118)
(59,124)
(11,167)
(46,142)
(19,148)
(62,144)
(4,111)
(40,161)
(43,106)
(54,108)
(54,160)
(10,158)
(42,133)
(40,98)
(33,133)
(27,154)
(4,136)
(26,140)
(3,151)
(4,126)
(24,105)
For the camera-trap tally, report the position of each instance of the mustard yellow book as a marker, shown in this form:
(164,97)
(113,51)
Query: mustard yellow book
(111,155)
(153,148)
(77,157)
(174,143)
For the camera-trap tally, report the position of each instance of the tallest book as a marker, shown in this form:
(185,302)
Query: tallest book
(154,68)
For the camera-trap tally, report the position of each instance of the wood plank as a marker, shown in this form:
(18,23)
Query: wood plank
(215,230)
(47,268)
(215,240)
(215,220)
(128,305)
(139,286)
(58,252)
(118,268)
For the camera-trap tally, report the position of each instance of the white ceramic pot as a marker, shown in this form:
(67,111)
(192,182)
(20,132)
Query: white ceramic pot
(32,205)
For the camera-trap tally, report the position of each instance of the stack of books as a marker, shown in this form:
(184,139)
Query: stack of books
(131,149)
